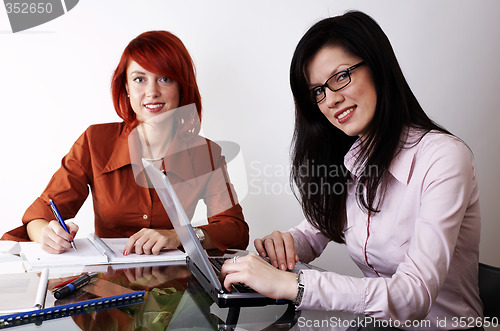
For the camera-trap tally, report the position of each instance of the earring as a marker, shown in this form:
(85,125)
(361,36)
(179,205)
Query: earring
(128,95)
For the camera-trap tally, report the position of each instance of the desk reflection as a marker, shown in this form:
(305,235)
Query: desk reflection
(165,286)
(175,300)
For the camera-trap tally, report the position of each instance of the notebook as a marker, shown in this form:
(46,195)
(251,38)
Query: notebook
(99,294)
(93,250)
(21,292)
(205,269)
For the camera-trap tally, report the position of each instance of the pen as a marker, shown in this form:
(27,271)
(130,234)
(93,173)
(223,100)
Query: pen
(66,290)
(65,283)
(60,220)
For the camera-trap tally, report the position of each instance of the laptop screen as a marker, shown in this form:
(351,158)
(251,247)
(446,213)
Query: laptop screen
(181,222)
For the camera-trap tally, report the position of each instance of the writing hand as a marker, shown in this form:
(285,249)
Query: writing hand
(280,249)
(55,239)
(151,241)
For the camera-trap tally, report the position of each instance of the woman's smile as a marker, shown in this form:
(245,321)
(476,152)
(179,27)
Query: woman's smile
(150,93)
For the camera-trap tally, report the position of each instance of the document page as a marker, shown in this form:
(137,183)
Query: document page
(85,254)
(18,292)
(116,246)
(93,250)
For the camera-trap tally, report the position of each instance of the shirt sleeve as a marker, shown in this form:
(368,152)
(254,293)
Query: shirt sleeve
(309,242)
(227,227)
(448,185)
(68,187)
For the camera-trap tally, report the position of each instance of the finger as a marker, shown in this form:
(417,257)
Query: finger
(147,272)
(258,243)
(241,270)
(57,241)
(157,247)
(138,248)
(129,274)
(55,244)
(141,246)
(156,271)
(147,246)
(58,231)
(129,246)
(231,277)
(291,255)
(227,268)
(159,277)
(271,253)
(73,228)
(279,249)
(138,273)
(60,246)
(228,282)
(53,250)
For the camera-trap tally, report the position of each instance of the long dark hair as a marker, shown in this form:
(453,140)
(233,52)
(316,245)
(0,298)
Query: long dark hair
(318,148)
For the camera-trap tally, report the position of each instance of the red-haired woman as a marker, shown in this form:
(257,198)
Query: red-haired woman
(152,87)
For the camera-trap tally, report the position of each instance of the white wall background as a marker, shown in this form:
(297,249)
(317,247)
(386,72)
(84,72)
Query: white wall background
(55,82)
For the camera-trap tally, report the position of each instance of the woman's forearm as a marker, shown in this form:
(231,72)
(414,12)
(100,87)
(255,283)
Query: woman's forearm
(35,227)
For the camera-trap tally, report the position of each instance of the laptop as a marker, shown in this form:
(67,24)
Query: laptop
(206,269)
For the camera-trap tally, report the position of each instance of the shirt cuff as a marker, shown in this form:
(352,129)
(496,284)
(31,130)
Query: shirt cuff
(331,291)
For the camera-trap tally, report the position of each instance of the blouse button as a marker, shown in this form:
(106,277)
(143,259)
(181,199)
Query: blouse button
(145,216)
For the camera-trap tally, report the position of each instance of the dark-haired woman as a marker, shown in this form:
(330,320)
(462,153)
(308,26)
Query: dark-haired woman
(152,87)
(400,191)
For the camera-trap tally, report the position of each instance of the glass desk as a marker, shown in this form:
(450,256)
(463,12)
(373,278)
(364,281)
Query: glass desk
(175,300)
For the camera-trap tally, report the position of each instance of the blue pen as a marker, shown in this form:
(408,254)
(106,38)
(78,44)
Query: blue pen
(60,220)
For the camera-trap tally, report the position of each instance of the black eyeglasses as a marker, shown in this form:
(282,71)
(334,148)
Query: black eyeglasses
(335,83)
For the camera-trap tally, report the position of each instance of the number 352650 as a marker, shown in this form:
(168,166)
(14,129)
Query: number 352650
(28,8)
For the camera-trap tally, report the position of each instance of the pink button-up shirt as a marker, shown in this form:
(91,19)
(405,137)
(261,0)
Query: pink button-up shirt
(419,254)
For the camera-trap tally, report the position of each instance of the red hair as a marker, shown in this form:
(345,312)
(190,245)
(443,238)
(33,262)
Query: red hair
(160,52)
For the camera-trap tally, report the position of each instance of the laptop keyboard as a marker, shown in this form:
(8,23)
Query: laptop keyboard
(217,262)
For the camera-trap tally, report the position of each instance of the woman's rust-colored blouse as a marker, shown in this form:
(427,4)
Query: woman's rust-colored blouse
(100,160)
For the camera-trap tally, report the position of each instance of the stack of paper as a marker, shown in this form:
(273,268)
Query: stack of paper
(93,250)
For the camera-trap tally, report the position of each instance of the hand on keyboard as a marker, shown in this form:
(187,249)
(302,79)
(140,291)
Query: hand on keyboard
(261,276)
(280,249)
